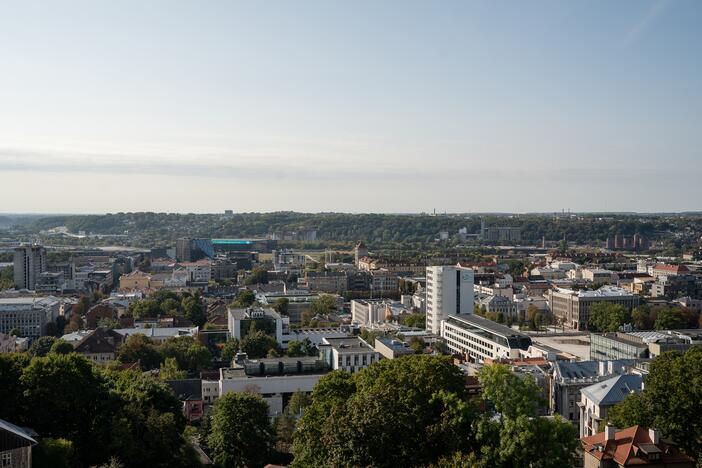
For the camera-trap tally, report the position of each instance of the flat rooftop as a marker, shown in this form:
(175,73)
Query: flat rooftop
(578,346)
(488,325)
(351,344)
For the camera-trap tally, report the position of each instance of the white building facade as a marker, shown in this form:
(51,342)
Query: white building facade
(449,292)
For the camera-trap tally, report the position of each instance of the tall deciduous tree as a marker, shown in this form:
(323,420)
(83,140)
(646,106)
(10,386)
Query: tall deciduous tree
(608,317)
(416,405)
(257,344)
(139,348)
(42,346)
(671,400)
(519,438)
(241,433)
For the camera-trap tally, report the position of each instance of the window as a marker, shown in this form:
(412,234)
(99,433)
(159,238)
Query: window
(6,459)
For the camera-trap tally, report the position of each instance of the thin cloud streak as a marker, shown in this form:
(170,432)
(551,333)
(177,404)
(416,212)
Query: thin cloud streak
(653,12)
(12,160)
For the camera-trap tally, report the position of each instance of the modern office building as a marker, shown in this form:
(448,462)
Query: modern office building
(350,353)
(480,339)
(367,312)
(275,379)
(189,250)
(392,349)
(29,315)
(573,307)
(449,292)
(29,264)
(608,346)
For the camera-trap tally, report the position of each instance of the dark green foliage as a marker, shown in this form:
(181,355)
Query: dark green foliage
(244,299)
(150,228)
(64,394)
(61,347)
(42,346)
(518,437)
(229,351)
(416,405)
(257,276)
(608,317)
(7,278)
(188,353)
(301,348)
(323,305)
(193,310)
(240,433)
(11,367)
(671,400)
(257,344)
(670,318)
(415,320)
(53,453)
(281,305)
(139,348)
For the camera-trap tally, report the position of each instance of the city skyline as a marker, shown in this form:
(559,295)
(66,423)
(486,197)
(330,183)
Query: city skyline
(465,107)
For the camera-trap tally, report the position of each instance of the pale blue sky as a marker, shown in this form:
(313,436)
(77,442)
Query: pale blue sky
(350,106)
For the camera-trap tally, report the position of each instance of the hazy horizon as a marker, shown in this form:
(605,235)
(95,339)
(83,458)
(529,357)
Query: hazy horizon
(463,107)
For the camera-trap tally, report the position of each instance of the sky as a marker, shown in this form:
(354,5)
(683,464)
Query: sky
(356,106)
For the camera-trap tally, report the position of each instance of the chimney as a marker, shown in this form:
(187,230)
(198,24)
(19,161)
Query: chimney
(610,430)
(602,367)
(654,435)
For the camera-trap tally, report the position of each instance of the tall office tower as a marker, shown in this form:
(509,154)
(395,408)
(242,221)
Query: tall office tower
(449,292)
(29,263)
(184,249)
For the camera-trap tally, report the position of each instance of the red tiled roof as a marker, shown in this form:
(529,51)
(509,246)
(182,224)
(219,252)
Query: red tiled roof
(625,449)
(672,268)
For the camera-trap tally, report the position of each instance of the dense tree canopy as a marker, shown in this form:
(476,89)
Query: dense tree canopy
(87,414)
(518,437)
(244,299)
(257,344)
(417,406)
(240,431)
(671,400)
(608,317)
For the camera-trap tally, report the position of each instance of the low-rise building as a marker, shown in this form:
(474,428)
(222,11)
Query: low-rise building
(499,305)
(99,345)
(480,339)
(189,393)
(28,315)
(135,280)
(275,379)
(573,307)
(569,377)
(384,282)
(158,334)
(392,349)
(367,312)
(15,446)
(617,345)
(663,269)
(596,399)
(634,446)
(350,353)
(326,281)
(264,319)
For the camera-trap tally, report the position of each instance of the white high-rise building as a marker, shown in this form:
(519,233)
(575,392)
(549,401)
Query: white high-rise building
(449,292)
